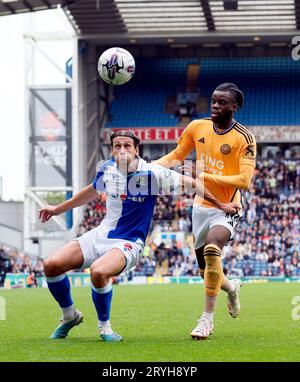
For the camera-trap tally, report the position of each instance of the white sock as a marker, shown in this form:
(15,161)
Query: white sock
(103,323)
(105,327)
(208,316)
(232,287)
(68,313)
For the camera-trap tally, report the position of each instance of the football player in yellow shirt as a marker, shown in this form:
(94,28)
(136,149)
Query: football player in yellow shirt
(226,151)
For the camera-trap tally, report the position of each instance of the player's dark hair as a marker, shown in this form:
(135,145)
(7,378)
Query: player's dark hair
(125,133)
(237,94)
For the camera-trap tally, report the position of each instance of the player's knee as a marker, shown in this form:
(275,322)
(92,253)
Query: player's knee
(218,236)
(51,268)
(214,241)
(98,276)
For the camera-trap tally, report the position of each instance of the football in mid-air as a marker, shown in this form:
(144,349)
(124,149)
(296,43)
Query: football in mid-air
(116,66)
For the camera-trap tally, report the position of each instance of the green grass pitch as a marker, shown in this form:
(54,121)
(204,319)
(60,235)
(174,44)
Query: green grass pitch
(155,321)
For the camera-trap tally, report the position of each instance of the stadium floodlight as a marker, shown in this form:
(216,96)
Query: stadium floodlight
(230,5)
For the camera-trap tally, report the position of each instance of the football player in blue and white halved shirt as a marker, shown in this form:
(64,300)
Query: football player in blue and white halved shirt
(131,186)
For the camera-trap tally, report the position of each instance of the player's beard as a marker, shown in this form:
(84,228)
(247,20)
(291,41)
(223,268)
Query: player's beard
(223,120)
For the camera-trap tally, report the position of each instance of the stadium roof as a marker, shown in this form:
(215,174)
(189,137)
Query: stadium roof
(12,7)
(209,20)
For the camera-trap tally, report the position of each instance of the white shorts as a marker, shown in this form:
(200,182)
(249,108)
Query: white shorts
(203,219)
(94,246)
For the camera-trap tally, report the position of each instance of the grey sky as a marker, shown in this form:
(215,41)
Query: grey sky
(12,85)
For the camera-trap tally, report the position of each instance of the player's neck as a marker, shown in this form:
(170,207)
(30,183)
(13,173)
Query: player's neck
(129,168)
(224,125)
(132,167)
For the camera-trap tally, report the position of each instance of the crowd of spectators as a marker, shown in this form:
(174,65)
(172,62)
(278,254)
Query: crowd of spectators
(13,261)
(267,241)
(176,259)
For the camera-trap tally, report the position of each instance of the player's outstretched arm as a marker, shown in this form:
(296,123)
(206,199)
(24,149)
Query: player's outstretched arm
(185,145)
(197,185)
(84,196)
(170,160)
(241,181)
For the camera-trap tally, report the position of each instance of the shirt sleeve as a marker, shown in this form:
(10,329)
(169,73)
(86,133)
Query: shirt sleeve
(248,152)
(98,182)
(185,145)
(167,181)
(247,165)
(241,181)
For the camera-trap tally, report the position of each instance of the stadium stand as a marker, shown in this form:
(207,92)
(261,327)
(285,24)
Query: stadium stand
(149,97)
(276,76)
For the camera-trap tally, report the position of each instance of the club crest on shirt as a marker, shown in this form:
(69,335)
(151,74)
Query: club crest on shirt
(250,152)
(123,196)
(225,149)
(127,247)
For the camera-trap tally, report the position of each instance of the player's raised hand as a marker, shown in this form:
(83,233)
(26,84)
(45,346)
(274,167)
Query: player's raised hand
(231,208)
(46,213)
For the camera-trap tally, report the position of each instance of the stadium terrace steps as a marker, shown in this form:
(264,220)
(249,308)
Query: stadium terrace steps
(270,85)
(148,96)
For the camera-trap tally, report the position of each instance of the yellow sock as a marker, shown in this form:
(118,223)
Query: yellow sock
(213,275)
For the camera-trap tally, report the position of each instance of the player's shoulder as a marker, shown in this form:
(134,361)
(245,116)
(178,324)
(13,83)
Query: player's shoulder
(159,171)
(244,133)
(143,165)
(197,125)
(110,163)
(148,168)
(201,122)
(152,167)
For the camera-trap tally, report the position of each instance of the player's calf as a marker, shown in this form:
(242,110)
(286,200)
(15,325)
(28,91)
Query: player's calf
(213,275)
